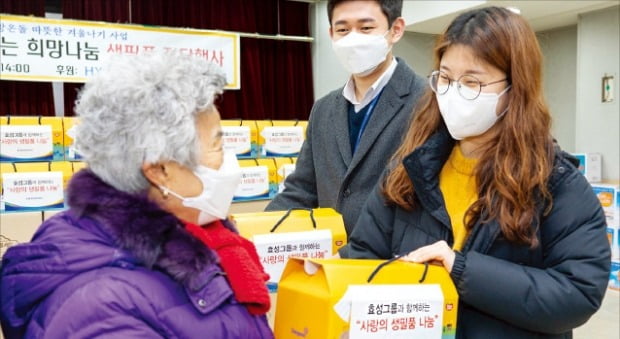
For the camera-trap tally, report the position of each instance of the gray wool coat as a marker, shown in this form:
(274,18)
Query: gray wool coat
(327,174)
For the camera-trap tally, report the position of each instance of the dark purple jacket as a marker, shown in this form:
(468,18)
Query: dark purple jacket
(117,266)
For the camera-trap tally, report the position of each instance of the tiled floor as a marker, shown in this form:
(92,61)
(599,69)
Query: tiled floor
(605,323)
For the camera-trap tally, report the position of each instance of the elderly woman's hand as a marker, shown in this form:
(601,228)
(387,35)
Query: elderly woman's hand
(438,252)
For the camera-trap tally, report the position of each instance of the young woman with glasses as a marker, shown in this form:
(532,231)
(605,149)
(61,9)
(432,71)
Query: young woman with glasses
(479,187)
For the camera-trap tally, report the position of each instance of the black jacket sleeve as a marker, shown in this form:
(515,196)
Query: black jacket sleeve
(372,236)
(568,289)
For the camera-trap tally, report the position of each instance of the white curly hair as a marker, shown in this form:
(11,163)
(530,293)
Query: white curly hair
(143,109)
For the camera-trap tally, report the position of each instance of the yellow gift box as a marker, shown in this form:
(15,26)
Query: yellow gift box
(303,124)
(250,224)
(284,167)
(70,153)
(62,166)
(302,220)
(260,126)
(306,300)
(5,167)
(35,187)
(273,177)
(288,140)
(251,125)
(255,186)
(57,137)
(77,166)
(39,166)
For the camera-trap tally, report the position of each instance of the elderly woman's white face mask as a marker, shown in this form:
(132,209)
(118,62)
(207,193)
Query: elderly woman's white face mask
(218,189)
(208,189)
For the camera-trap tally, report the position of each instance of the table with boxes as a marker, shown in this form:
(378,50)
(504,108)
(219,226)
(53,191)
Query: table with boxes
(609,196)
(267,151)
(38,157)
(590,165)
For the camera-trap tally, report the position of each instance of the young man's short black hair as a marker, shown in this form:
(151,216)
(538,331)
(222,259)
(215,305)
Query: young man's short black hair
(392,9)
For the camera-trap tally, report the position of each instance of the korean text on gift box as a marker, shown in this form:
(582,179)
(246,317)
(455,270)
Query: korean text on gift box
(352,298)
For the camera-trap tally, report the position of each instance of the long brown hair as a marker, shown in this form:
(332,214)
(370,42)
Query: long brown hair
(515,165)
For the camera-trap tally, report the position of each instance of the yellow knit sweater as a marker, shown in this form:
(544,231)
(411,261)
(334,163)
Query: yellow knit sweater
(458,186)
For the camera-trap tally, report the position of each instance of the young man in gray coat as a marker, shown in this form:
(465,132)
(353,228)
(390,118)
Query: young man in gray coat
(353,131)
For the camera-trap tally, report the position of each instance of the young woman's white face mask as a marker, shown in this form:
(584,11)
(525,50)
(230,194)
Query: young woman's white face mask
(475,109)
(467,118)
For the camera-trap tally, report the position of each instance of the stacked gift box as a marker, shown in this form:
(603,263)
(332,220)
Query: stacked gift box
(38,158)
(609,196)
(267,151)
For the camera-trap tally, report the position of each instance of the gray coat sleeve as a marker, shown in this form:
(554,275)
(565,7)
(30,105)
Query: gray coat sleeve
(372,236)
(570,288)
(300,189)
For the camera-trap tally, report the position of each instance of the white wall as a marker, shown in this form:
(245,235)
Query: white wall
(559,48)
(417,50)
(327,72)
(575,60)
(598,124)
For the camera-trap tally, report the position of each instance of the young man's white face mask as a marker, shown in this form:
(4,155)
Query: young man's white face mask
(218,189)
(360,54)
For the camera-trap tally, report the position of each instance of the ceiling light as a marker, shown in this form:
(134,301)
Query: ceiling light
(514,10)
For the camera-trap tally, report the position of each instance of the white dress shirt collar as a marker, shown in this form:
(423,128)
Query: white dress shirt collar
(349,89)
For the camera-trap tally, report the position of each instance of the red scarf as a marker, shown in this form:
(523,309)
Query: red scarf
(238,258)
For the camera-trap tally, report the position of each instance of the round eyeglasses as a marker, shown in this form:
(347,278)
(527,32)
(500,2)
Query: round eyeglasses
(468,86)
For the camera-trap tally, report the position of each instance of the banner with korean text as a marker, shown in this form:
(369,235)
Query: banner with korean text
(39,49)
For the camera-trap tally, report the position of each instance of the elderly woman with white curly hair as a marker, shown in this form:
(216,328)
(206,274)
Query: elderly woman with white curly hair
(145,249)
